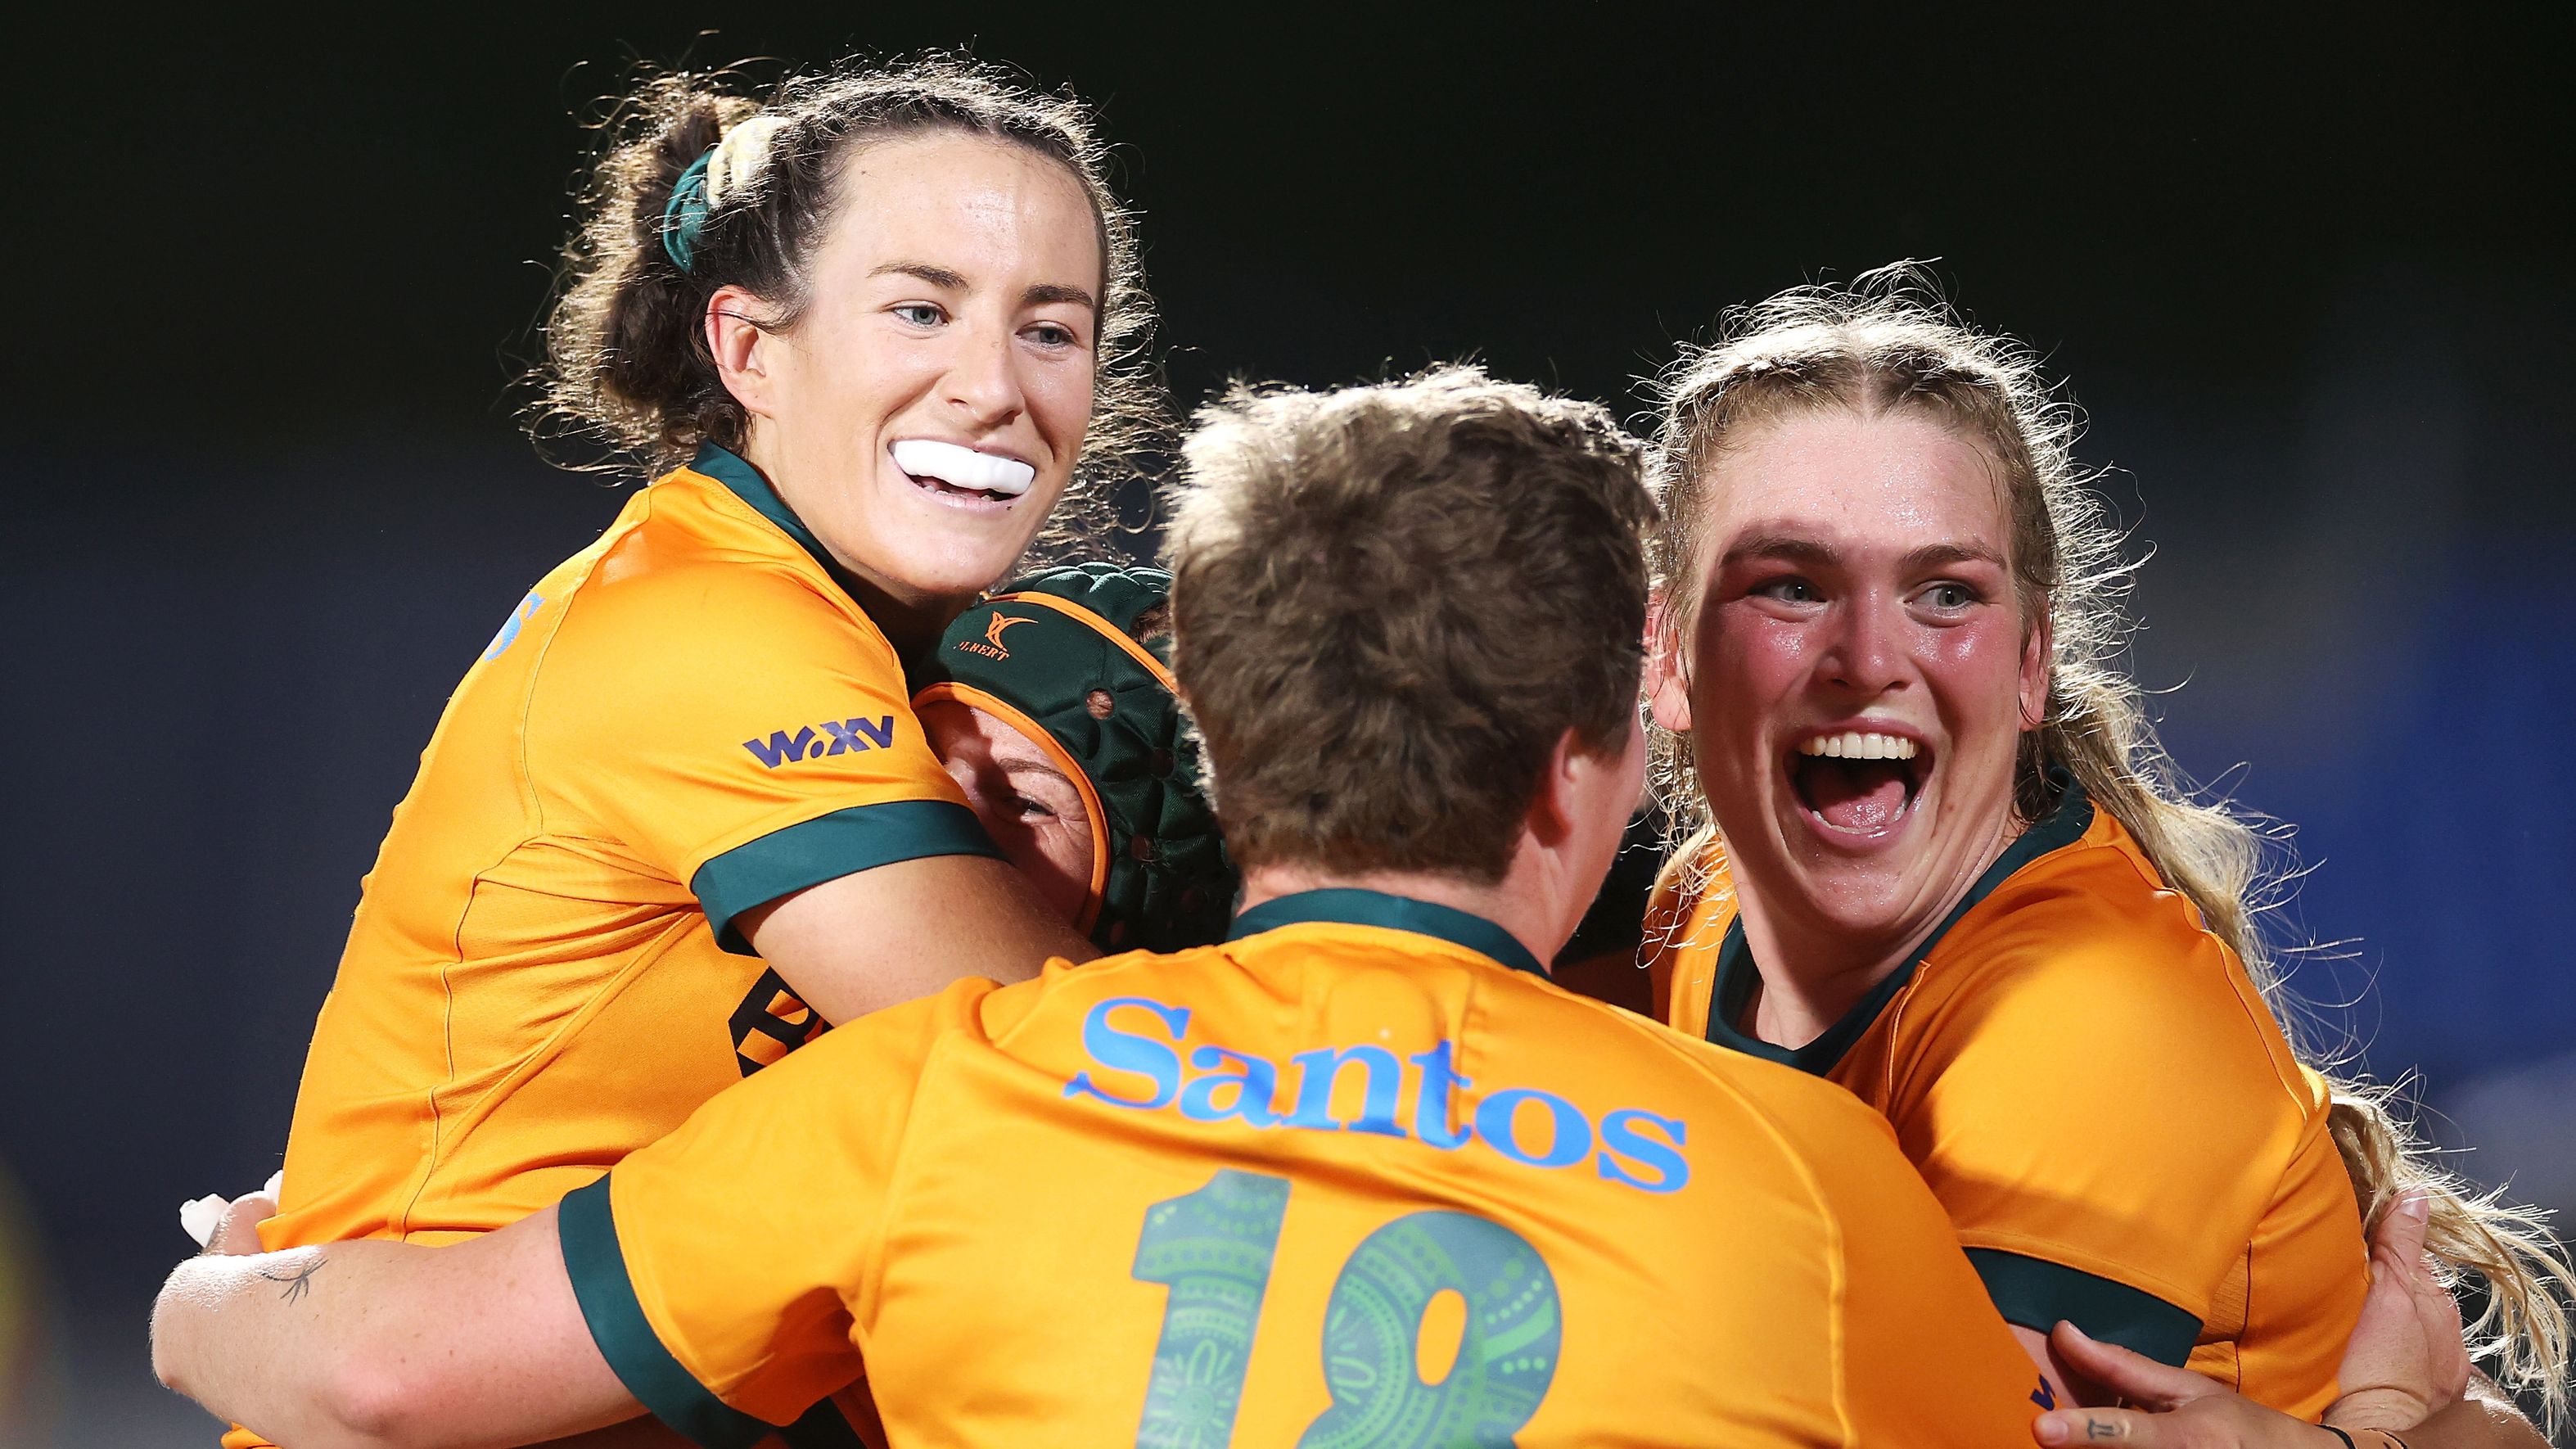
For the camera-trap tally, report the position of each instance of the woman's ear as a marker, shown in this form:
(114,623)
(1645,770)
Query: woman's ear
(2037,652)
(1667,673)
(740,349)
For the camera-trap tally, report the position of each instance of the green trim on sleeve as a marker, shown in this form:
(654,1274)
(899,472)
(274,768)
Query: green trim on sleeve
(2036,1293)
(823,1426)
(829,847)
(597,1266)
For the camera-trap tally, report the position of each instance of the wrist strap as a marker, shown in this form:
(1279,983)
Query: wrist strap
(2338,1433)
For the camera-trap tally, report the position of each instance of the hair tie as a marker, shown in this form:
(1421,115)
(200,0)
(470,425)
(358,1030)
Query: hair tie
(685,215)
(729,165)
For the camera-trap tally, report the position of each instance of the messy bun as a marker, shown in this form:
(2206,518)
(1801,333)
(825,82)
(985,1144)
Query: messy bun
(626,361)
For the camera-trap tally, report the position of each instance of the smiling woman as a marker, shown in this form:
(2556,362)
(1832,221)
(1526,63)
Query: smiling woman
(1948,865)
(681,816)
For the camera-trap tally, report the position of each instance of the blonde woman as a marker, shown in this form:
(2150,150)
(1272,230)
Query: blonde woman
(1943,861)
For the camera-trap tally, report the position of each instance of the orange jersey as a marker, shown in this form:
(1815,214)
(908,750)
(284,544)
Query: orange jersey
(1361,1174)
(687,719)
(2099,1097)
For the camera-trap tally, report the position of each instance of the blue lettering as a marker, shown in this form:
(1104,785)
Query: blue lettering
(1120,1051)
(1619,1134)
(509,634)
(1254,1087)
(1321,1070)
(1440,1084)
(1632,1147)
(1570,1144)
(880,729)
(780,748)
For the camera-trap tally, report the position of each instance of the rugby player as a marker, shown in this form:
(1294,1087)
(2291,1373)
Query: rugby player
(1947,865)
(1052,705)
(1361,1173)
(680,815)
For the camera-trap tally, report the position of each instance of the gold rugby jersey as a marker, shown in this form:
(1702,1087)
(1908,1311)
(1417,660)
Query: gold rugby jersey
(687,719)
(1358,1176)
(2096,1092)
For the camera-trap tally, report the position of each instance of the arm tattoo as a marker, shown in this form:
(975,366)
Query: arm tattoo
(298,1281)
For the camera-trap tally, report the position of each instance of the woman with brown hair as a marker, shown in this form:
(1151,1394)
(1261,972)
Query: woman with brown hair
(1943,860)
(681,815)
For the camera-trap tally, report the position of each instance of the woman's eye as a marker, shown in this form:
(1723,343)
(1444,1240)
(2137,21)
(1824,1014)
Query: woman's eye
(920,314)
(1032,809)
(1949,597)
(1787,591)
(1052,334)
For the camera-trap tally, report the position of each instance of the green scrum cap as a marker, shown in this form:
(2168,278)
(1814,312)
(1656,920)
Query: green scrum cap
(1055,656)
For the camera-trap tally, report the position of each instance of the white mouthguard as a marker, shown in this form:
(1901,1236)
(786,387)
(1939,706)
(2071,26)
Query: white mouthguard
(964,467)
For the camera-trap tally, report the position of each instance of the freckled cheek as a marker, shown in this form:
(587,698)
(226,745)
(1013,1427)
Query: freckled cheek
(1060,403)
(1745,665)
(1975,674)
(1745,670)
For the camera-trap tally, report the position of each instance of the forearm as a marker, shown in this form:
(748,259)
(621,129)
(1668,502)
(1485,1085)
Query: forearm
(254,1340)
(370,1344)
(900,932)
(2483,1418)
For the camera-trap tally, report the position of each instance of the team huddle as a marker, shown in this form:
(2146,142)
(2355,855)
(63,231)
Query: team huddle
(829,984)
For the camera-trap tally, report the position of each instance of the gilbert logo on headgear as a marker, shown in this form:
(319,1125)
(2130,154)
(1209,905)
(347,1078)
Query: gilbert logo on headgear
(992,646)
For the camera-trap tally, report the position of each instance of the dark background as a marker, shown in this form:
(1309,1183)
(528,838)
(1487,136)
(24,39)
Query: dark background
(266,498)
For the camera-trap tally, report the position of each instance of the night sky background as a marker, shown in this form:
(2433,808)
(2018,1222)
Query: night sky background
(266,496)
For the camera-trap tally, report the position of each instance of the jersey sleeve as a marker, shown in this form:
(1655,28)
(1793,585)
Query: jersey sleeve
(720,1269)
(1924,1357)
(735,731)
(2104,1124)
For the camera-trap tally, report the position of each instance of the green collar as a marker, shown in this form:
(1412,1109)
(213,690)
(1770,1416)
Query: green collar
(728,468)
(1737,976)
(1395,913)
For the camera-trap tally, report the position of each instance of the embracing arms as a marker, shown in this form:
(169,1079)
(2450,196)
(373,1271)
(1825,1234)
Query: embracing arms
(905,930)
(370,1344)
(2406,1377)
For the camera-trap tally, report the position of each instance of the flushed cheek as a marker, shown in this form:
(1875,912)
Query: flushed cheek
(1743,673)
(1976,672)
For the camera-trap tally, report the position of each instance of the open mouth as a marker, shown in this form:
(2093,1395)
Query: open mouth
(1859,782)
(962,474)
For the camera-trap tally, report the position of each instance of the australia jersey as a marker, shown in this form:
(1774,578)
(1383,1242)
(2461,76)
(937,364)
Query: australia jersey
(2097,1094)
(687,719)
(1358,1176)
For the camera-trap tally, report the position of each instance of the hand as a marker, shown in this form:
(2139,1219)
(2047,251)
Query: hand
(2181,1410)
(232,1227)
(2406,1361)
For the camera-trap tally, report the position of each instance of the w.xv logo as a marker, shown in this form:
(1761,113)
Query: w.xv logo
(838,737)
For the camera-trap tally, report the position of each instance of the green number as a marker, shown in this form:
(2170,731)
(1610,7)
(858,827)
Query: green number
(1213,1247)
(1374,1319)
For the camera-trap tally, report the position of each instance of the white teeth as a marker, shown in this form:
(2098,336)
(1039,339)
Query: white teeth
(1859,745)
(963,467)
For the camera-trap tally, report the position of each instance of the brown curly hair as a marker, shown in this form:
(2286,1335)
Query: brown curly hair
(626,360)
